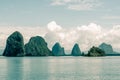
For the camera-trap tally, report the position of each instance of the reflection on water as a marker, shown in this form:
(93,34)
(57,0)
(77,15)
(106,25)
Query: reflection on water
(92,68)
(3,69)
(14,69)
(59,68)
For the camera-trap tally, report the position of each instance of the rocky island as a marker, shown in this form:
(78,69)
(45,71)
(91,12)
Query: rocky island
(76,50)
(107,48)
(37,47)
(95,51)
(57,50)
(14,45)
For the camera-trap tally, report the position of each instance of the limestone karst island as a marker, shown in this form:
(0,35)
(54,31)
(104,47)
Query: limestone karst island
(37,46)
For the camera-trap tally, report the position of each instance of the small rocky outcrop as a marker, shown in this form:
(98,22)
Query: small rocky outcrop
(107,48)
(57,50)
(14,45)
(95,51)
(37,47)
(76,50)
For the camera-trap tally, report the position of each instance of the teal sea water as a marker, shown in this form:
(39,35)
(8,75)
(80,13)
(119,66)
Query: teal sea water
(60,68)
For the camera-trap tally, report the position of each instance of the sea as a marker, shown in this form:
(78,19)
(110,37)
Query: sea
(60,68)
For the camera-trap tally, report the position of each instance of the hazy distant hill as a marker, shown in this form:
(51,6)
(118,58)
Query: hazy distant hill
(1,51)
(108,49)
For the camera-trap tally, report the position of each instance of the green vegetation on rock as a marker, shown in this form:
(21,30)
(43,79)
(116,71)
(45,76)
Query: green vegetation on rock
(57,50)
(76,50)
(107,48)
(37,47)
(14,45)
(95,51)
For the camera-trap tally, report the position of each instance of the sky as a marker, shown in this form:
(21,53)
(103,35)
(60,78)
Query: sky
(86,22)
(68,13)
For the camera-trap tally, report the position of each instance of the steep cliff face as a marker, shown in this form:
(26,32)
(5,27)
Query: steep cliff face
(76,50)
(37,47)
(57,50)
(107,48)
(14,45)
(95,51)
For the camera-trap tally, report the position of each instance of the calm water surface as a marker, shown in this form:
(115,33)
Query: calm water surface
(60,68)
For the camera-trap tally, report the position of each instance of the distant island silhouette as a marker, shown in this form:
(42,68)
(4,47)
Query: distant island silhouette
(37,46)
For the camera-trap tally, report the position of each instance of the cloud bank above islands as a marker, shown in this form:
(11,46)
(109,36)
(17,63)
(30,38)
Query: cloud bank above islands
(85,35)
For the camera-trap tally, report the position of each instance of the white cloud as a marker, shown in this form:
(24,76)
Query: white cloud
(85,35)
(112,37)
(77,4)
(79,7)
(91,27)
(52,26)
(88,35)
(111,17)
(57,2)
